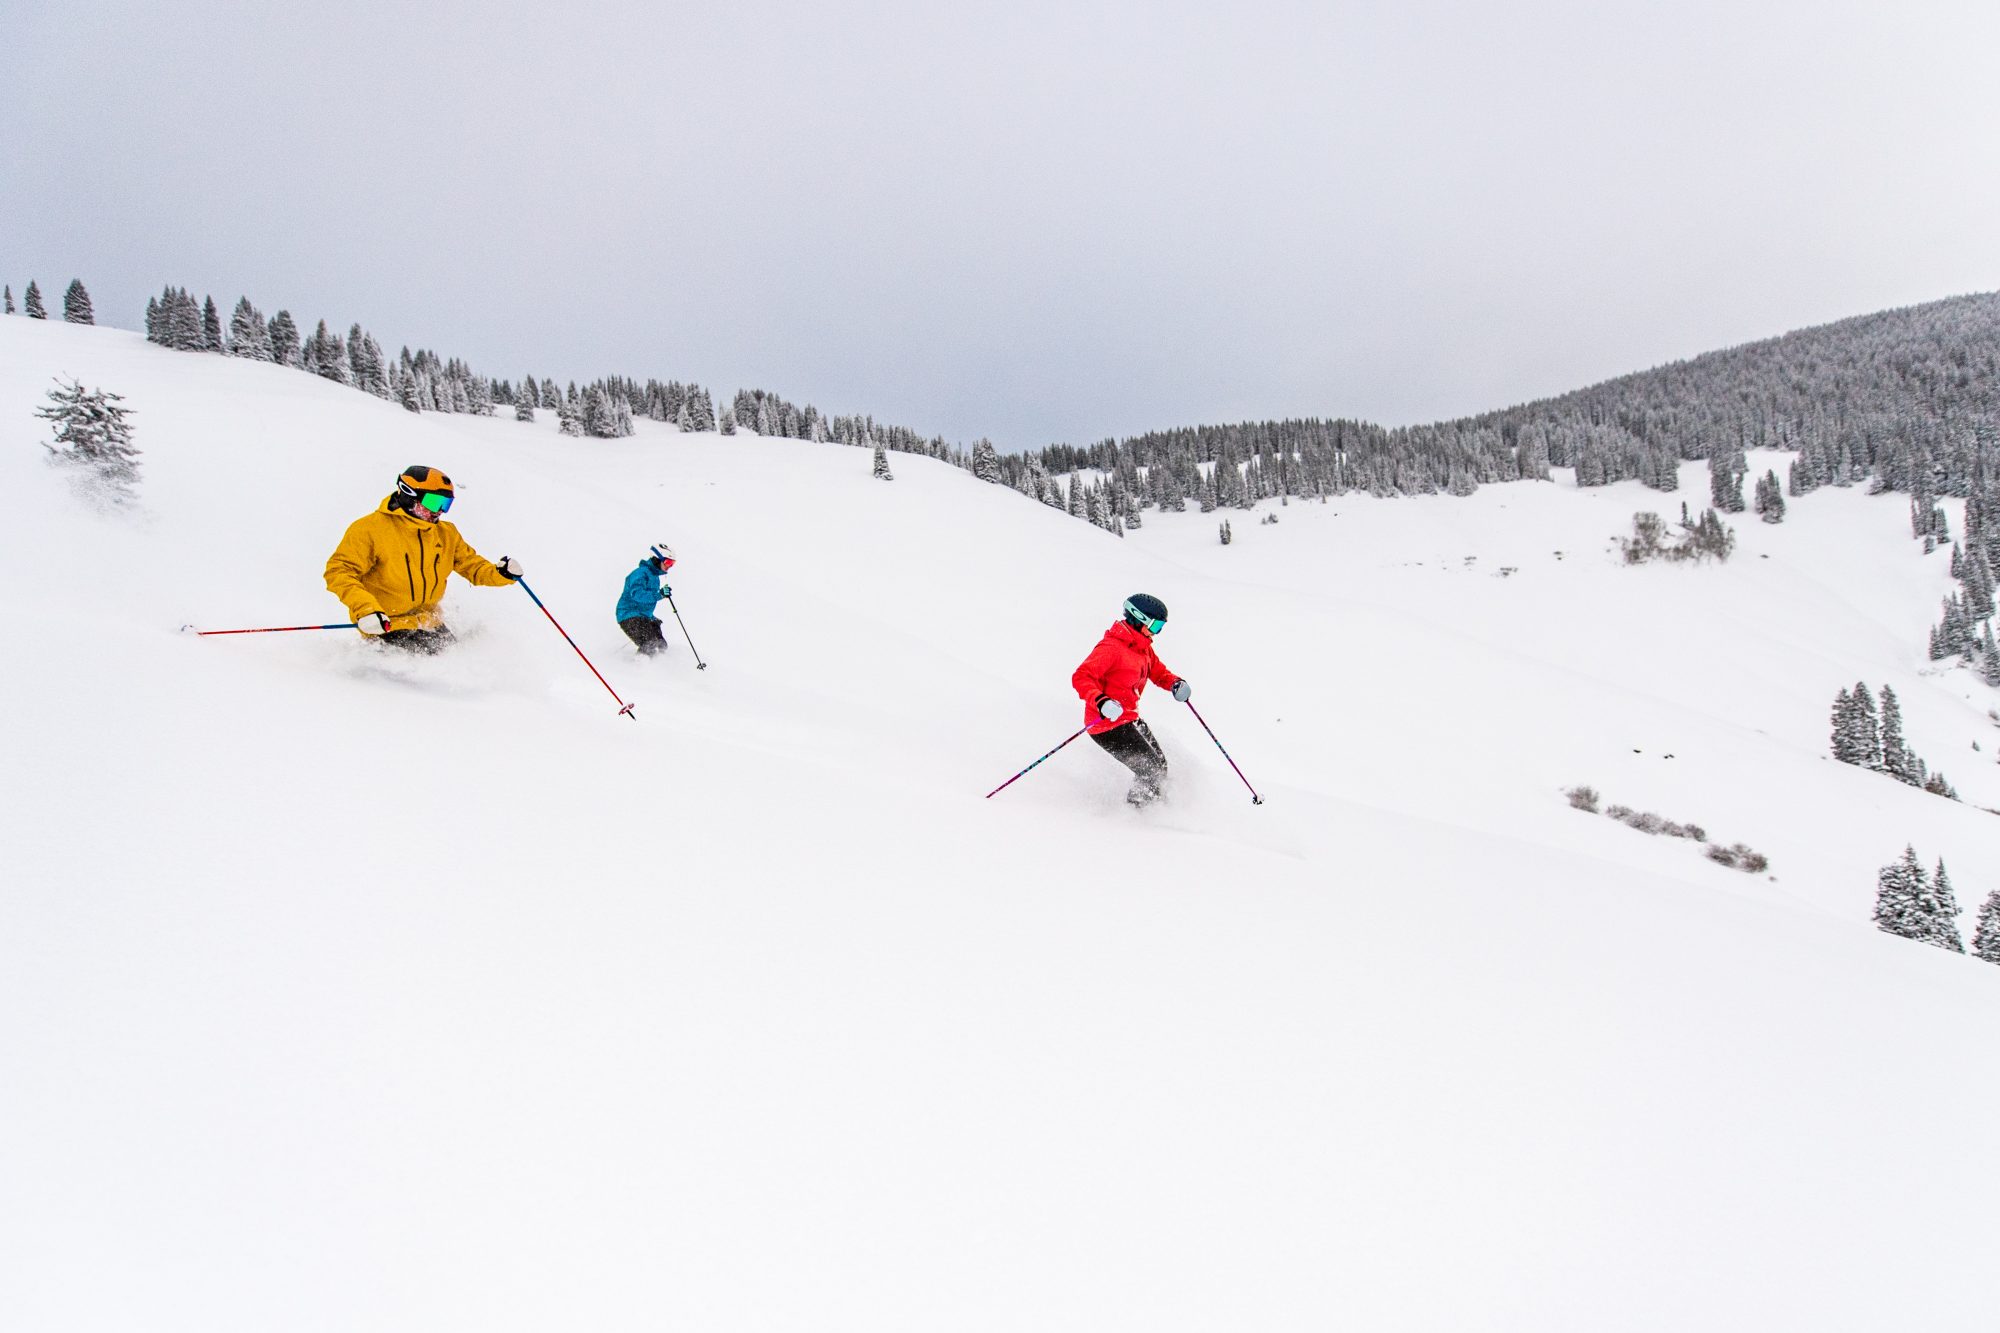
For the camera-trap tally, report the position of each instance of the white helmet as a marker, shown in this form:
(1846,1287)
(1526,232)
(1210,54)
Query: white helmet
(662,553)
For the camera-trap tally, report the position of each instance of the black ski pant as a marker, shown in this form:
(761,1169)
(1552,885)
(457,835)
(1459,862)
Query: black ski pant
(425,641)
(1133,746)
(645,634)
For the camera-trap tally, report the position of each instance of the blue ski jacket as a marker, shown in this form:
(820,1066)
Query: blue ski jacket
(642,593)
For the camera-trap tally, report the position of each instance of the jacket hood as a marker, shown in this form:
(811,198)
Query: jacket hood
(1125,634)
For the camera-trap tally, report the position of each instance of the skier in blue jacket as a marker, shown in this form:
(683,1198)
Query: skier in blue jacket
(645,587)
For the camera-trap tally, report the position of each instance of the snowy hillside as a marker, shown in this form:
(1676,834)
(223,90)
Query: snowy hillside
(347,993)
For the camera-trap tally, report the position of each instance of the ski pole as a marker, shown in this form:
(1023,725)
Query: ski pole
(1024,772)
(623,707)
(1255,799)
(274,629)
(699,665)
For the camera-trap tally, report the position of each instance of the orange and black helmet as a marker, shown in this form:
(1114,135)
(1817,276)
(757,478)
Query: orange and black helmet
(418,484)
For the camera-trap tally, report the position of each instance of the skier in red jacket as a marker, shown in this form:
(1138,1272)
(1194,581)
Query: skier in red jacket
(1109,682)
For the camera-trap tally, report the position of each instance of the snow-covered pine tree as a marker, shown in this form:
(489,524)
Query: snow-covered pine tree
(1953,635)
(94,437)
(1094,509)
(1842,727)
(1223,532)
(33,302)
(1944,912)
(248,335)
(1712,537)
(284,339)
(183,322)
(568,421)
(1897,761)
(727,426)
(326,357)
(1986,933)
(76,304)
(881,468)
(598,420)
(1903,901)
(8,297)
(1770,499)
(1856,738)
(361,372)
(211,326)
(1726,469)
(1977,580)
(985,460)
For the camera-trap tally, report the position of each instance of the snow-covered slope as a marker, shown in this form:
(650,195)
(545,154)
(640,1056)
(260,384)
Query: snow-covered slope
(344,993)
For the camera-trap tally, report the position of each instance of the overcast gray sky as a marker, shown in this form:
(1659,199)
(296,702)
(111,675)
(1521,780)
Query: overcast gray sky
(1031,221)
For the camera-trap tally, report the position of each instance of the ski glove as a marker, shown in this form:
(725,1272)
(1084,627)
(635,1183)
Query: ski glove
(510,567)
(1109,709)
(665,592)
(373,623)
(1181,691)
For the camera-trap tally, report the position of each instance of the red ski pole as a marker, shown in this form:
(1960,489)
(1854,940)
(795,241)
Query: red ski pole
(623,707)
(1024,772)
(274,629)
(1255,799)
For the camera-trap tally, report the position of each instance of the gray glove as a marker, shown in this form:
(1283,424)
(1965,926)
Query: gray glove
(1109,709)
(1181,691)
(373,623)
(510,567)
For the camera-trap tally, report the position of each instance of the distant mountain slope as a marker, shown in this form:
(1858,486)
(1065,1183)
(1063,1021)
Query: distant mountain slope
(1880,395)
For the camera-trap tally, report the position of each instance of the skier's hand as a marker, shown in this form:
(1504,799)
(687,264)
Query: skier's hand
(1109,709)
(373,623)
(510,567)
(665,592)
(1181,691)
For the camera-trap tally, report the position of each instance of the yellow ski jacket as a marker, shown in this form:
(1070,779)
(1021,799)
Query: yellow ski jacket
(395,564)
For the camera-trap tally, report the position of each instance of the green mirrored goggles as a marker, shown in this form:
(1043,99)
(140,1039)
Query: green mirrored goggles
(435,501)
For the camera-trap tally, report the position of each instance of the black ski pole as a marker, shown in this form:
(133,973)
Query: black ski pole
(1255,799)
(699,665)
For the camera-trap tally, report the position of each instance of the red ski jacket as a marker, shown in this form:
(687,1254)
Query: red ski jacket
(1119,666)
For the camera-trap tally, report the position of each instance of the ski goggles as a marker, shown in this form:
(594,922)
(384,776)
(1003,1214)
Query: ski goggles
(1151,624)
(435,501)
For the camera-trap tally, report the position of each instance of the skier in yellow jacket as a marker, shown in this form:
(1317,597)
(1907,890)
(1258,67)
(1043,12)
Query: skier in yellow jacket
(390,567)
